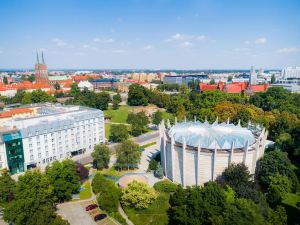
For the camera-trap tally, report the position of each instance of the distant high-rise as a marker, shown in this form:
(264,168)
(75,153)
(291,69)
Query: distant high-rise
(253,76)
(41,71)
(290,73)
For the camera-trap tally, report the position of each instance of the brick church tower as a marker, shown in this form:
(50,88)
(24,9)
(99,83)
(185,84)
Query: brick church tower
(41,71)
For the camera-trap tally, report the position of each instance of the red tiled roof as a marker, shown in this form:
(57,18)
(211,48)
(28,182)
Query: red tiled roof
(26,85)
(16,111)
(259,87)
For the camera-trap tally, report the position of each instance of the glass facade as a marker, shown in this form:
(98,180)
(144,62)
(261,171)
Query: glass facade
(14,152)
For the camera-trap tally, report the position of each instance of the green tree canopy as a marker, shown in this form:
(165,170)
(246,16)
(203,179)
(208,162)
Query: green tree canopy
(128,155)
(118,132)
(64,178)
(139,122)
(138,195)
(137,95)
(101,156)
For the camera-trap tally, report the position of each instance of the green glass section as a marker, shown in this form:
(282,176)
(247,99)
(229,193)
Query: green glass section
(14,152)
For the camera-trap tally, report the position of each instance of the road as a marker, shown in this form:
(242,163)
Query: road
(142,139)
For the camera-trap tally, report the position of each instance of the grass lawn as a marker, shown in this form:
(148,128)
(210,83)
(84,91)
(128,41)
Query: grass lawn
(107,130)
(156,214)
(87,192)
(290,206)
(148,144)
(113,172)
(119,115)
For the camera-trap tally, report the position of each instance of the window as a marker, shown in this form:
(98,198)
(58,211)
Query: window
(61,155)
(31,157)
(40,155)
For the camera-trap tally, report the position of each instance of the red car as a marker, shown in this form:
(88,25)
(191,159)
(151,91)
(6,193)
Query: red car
(100,217)
(90,207)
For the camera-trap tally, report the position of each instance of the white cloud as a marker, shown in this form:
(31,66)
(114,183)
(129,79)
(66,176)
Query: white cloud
(79,53)
(247,42)
(187,37)
(118,51)
(1,52)
(148,47)
(59,42)
(241,49)
(185,44)
(261,40)
(288,50)
(104,40)
(89,47)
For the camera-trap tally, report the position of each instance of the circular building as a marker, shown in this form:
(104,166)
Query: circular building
(193,153)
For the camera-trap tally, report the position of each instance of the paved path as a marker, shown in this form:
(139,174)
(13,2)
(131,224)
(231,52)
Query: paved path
(147,155)
(75,213)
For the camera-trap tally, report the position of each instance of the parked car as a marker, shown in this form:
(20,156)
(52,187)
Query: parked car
(100,217)
(91,207)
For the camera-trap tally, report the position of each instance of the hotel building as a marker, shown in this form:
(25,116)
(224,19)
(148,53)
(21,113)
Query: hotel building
(52,132)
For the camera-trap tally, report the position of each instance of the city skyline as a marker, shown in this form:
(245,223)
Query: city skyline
(161,34)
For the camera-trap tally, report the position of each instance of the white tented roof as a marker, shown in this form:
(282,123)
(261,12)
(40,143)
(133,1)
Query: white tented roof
(211,136)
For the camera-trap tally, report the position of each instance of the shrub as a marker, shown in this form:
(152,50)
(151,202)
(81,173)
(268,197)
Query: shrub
(108,198)
(99,183)
(138,195)
(159,173)
(165,186)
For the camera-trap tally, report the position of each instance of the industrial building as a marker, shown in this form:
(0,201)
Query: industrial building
(193,153)
(49,132)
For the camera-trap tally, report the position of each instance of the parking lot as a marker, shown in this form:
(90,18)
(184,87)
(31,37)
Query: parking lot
(75,213)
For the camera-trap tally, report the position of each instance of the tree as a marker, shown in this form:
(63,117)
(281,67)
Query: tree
(137,95)
(116,101)
(242,211)
(157,117)
(138,195)
(5,80)
(159,171)
(82,171)
(139,122)
(238,177)
(101,156)
(276,162)
(273,79)
(108,198)
(74,89)
(57,86)
(229,79)
(279,186)
(64,178)
(7,187)
(128,155)
(102,100)
(212,81)
(99,183)
(33,192)
(118,132)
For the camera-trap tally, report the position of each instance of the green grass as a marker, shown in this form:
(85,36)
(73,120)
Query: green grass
(290,206)
(148,144)
(107,130)
(87,192)
(113,172)
(119,115)
(156,214)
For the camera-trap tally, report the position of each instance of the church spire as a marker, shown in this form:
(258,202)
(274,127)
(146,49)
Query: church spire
(43,62)
(37,58)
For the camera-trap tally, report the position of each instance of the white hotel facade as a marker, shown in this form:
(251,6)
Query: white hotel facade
(55,132)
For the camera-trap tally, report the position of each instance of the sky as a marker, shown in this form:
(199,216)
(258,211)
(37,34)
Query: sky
(150,34)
